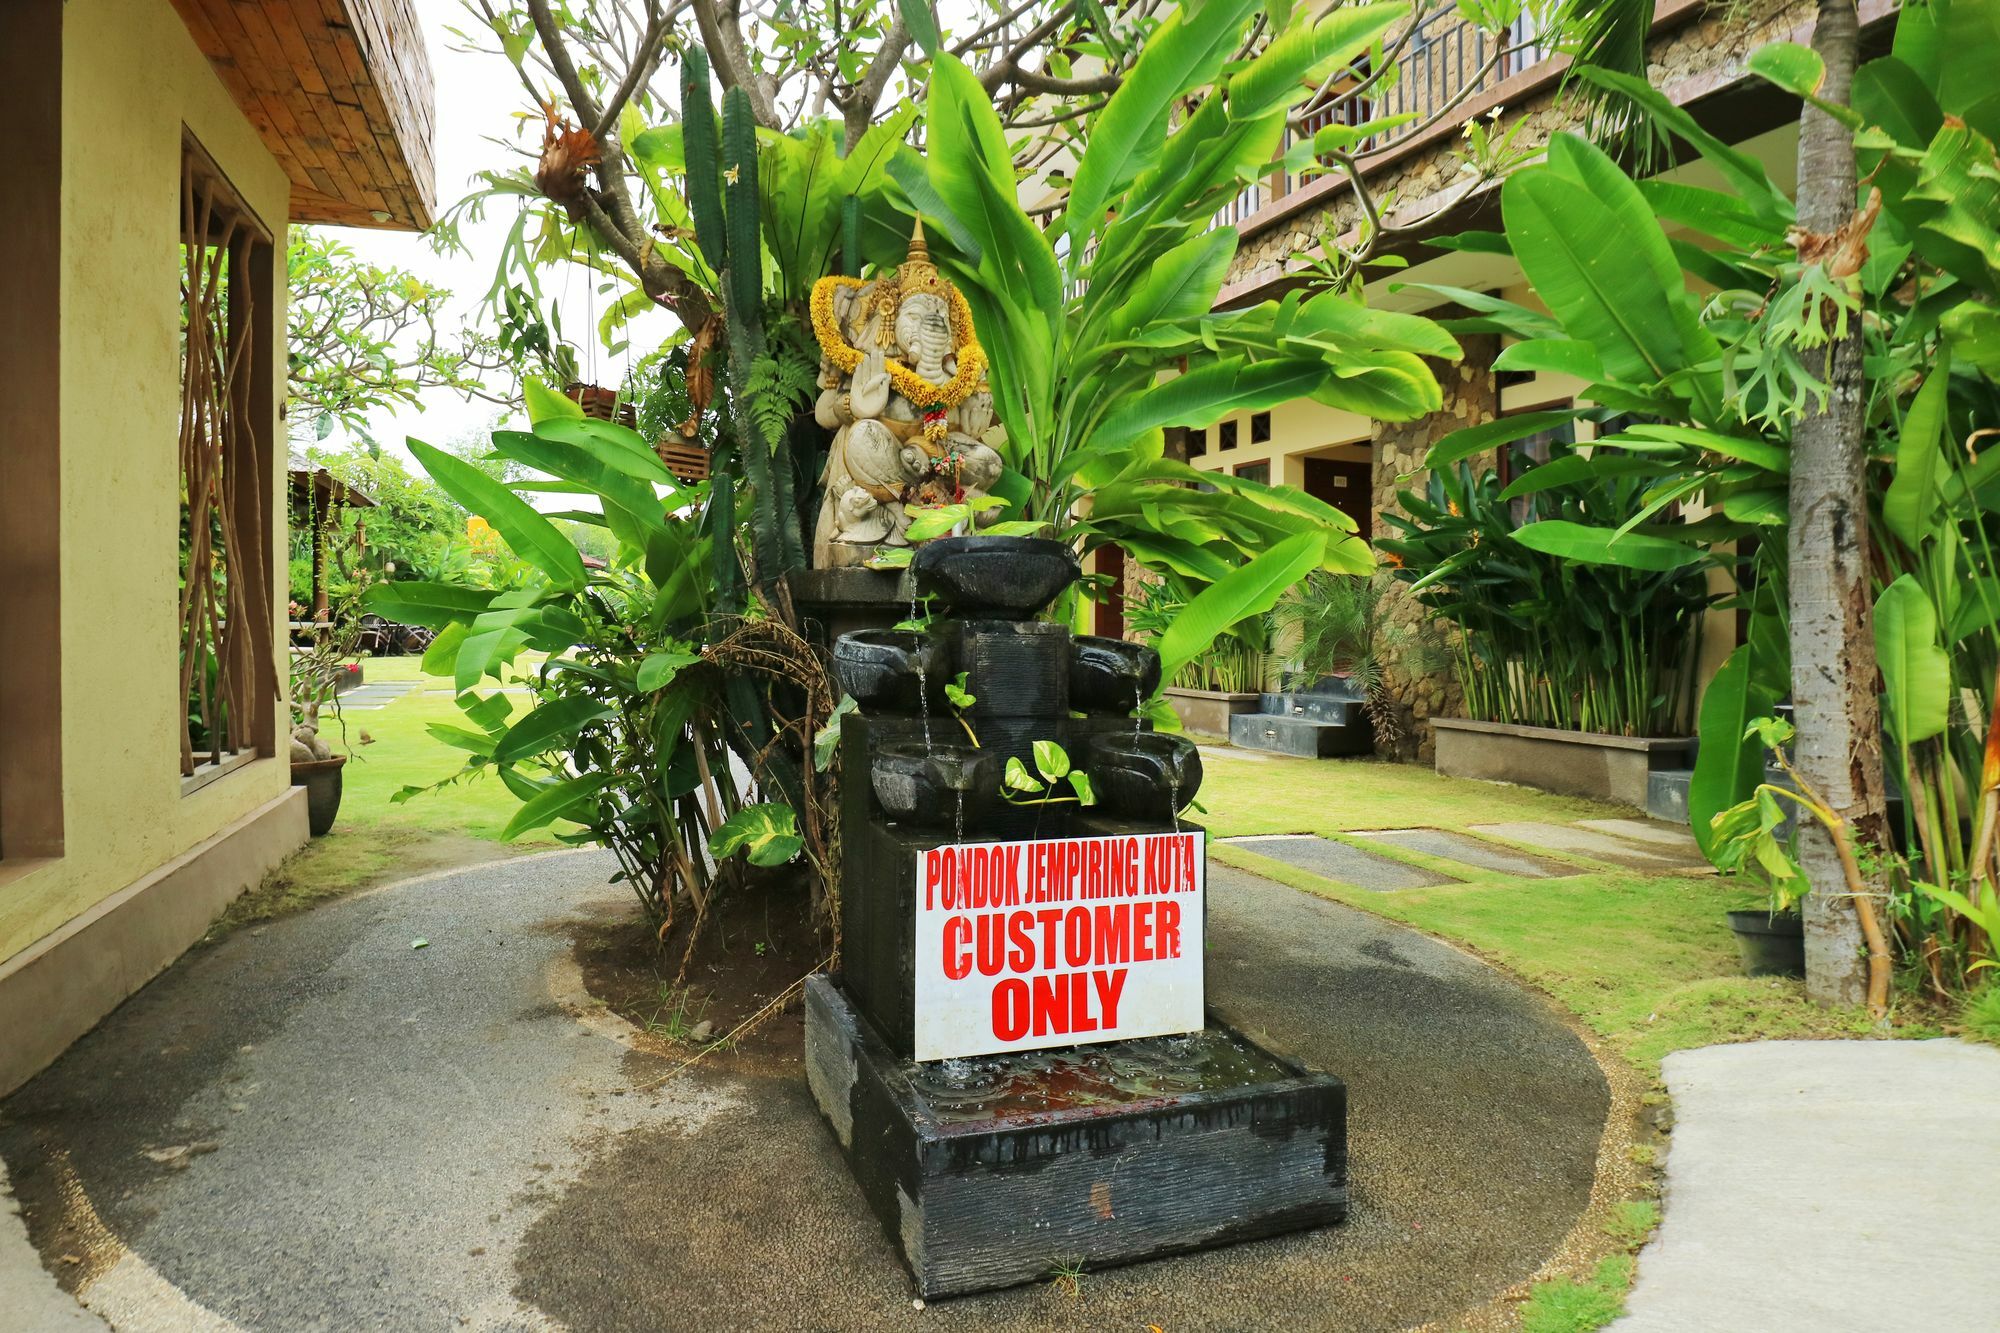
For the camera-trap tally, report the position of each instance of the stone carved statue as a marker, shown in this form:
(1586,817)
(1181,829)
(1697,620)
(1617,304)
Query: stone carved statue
(903,390)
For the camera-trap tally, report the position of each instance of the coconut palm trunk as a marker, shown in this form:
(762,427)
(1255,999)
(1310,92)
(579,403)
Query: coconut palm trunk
(1838,748)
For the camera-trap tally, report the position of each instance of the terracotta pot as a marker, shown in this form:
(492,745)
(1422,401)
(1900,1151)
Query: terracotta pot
(321,779)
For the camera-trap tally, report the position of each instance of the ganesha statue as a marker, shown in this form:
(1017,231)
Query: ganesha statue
(903,389)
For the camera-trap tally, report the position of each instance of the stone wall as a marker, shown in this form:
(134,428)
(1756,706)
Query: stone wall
(1471,396)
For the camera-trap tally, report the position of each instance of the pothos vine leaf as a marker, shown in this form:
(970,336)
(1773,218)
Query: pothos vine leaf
(767,834)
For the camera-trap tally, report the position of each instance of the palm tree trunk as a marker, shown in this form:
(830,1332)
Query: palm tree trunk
(1838,749)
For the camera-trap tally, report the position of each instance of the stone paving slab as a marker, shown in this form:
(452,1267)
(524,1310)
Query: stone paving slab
(1597,845)
(374,696)
(1826,1186)
(1652,832)
(1338,860)
(1471,851)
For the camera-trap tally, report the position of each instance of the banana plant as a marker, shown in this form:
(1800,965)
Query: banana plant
(1716,377)
(1100,324)
(627,737)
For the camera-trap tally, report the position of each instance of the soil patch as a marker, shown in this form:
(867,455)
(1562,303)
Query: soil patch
(1476,1119)
(756,945)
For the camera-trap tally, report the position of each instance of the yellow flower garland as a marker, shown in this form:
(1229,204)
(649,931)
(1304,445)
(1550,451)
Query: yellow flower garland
(918,390)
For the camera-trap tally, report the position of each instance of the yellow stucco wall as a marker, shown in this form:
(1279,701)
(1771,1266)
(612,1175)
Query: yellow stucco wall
(132,78)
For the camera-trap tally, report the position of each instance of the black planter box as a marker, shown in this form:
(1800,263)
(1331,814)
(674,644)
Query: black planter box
(978,1204)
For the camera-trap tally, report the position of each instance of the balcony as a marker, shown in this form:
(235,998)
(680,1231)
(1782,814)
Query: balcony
(1446,66)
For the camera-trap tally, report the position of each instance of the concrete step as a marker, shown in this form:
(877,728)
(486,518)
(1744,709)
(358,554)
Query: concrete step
(1344,710)
(1307,737)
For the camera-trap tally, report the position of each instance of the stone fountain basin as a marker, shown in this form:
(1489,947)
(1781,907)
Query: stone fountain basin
(889,670)
(1111,675)
(993,1174)
(1146,775)
(1005,578)
(934,786)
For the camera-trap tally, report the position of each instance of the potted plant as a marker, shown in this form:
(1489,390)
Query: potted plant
(668,416)
(536,344)
(1754,837)
(320,670)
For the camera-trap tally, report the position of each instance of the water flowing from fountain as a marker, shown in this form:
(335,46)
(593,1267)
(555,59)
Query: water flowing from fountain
(923,677)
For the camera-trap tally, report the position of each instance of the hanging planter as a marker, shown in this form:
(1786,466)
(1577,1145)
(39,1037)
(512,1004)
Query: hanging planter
(686,459)
(600,403)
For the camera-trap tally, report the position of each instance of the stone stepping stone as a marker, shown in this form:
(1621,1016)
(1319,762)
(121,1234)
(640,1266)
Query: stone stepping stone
(1651,832)
(1210,753)
(1472,851)
(374,696)
(1338,861)
(1597,845)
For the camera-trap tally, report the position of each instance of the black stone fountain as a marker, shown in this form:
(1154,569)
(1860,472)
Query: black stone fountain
(1016,1059)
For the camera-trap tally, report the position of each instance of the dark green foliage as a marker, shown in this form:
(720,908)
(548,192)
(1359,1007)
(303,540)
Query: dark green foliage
(704,158)
(743,271)
(779,388)
(1546,639)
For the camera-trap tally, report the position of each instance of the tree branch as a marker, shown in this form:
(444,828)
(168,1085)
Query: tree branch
(724,40)
(857,106)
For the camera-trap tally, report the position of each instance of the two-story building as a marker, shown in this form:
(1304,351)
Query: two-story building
(1696,58)
(160,148)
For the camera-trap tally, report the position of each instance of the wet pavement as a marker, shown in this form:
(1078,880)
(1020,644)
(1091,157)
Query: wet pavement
(317,1125)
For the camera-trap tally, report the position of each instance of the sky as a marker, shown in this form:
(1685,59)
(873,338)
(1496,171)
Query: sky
(479,97)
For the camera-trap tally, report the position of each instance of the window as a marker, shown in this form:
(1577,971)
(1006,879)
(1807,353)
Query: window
(1259,472)
(1523,454)
(1197,443)
(1225,435)
(226,634)
(1260,427)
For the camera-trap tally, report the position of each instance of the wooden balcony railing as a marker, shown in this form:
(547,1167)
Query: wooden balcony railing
(1446,63)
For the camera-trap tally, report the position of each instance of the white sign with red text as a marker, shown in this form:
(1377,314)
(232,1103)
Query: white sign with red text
(1025,945)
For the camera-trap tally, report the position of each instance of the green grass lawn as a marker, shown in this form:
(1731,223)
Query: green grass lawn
(1276,794)
(1645,960)
(375,840)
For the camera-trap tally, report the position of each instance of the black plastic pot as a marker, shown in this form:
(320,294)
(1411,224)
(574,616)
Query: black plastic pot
(1111,675)
(936,787)
(1007,578)
(888,670)
(321,779)
(1771,945)
(1145,775)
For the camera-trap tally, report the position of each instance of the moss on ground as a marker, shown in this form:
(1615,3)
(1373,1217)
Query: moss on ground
(377,840)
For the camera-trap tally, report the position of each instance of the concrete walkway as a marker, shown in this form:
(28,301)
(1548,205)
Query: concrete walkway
(1828,1186)
(314,1125)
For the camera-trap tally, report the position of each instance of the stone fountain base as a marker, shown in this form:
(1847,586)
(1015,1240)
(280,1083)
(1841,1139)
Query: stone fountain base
(997,1170)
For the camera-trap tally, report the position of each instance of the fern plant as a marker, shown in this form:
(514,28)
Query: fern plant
(781,384)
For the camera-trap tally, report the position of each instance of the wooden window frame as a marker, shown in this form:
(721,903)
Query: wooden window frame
(240,633)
